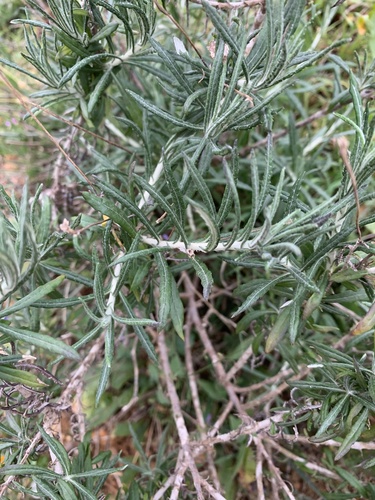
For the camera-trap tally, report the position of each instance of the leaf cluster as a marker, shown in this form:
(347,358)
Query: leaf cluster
(197,182)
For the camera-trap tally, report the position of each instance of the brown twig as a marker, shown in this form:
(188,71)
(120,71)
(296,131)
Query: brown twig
(230,5)
(177,481)
(258,21)
(63,120)
(196,401)
(253,428)
(28,452)
(216,363)
(259,473)
(310,465)
(177,415)
(220,421)
(211,490)
(239,364)
(359,445)
(342,144)
(268,381)
(75,384)
(135,397)
(25,103)
(271,395)
(246,150)
(273,469)
(174,479)
(183,31)
(192,379)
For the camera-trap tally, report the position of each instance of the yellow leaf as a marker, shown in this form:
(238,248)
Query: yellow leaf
(366,323)
(361,25)
(105,219)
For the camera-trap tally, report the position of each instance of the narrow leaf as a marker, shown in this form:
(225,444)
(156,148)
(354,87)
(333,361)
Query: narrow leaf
(99,292)
(15,376)
(71,275)
(107,30)
(177,310)
(165,290)
(103,381)
(332,416)
(139,331)
(215,84)
(109,343)
(33,296)
(163,114)
(214,231)
(201,186)
(58,450)
(255,202)
(353,435)
(204,274)
(129,204)
(262,290)
(45,488)
(140,253)
(22,70)
(66,490)
(81,64)
(366,323)
(44,341)
(163,203)
(100,87)
(232,184)
(28,470)
(357,100)
(278,330)
(350,122)
(304,280)
(179,204)
(85,492)
(221,26)
(135,321)
(97,472)
(109,208)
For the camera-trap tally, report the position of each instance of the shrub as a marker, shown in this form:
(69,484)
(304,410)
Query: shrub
(202,260)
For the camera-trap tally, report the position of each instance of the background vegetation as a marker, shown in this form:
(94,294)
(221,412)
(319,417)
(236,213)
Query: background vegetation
(187,280)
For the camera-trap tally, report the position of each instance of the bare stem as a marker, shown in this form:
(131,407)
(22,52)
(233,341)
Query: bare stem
(230,5)
(28,452)
(177,415)
(216,363)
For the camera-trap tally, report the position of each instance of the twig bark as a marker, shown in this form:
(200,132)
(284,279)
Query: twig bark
(28,452)
(196,402)
(359,445)
(216,363)
(174,480)
(230,5)
(211,490)
(135,397)
(239,364)
(273,469)
(306,463)
(220,421)
(258,21)
(26,104)
(177,415)
(259,473)
(268,381)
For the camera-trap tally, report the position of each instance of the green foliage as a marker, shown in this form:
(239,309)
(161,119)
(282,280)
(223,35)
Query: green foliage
(200,179)
(81,477)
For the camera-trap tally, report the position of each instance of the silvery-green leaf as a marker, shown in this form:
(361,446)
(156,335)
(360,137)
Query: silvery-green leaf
(165,289)
(204,275)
